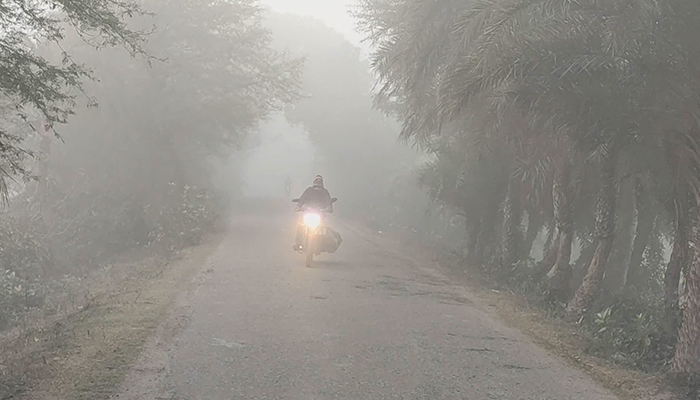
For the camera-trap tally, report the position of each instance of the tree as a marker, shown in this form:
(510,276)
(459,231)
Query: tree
(563,215)
(336,111)
(604,231)
(617,80)
(137,170)
(687,355)
(31,84)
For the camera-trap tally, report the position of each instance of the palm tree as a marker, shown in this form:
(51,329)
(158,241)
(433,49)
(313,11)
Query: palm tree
(465,178)
(687,355)
(605,234)
(610,77)
(562,192)
(644,224)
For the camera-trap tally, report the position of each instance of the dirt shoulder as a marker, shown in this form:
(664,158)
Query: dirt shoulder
(559,337)
(555,335)
(87,353)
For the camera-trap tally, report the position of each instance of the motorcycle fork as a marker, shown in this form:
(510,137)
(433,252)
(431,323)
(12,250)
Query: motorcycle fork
(310,238)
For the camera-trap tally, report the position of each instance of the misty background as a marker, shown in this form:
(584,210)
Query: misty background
(551,164)
(160,150)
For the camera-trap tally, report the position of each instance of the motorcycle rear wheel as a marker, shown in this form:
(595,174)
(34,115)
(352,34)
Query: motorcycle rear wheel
(309,258)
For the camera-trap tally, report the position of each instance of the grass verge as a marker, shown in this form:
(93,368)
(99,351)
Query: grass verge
(87,353)
(560,337)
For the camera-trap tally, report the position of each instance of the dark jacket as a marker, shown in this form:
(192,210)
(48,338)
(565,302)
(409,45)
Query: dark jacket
(317,198)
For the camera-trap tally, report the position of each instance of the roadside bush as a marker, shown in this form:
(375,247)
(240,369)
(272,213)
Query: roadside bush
(630,330)
(22,244)
(46,250)
(194,213)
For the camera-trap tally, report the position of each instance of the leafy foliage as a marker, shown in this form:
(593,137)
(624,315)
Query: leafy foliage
(136,172)
(336,111)
(534,89)
(38,90)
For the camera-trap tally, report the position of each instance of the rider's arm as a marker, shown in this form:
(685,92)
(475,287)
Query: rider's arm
(304,198)
(327,195)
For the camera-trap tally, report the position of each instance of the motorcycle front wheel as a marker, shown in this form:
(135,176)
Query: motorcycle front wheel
(308,250)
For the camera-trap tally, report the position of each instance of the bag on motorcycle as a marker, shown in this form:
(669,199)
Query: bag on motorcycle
(332,241)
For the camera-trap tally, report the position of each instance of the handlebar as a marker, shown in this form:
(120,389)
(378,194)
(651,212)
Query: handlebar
(328,209)
(324,210)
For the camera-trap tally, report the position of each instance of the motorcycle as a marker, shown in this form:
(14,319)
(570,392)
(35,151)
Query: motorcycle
(318,238)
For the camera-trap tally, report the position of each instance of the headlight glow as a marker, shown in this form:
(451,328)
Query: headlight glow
(312,220)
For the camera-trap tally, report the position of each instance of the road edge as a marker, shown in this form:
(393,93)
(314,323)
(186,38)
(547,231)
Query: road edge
(555,336)
(89,354)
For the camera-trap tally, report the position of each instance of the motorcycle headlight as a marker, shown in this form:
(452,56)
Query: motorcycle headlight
(312,220)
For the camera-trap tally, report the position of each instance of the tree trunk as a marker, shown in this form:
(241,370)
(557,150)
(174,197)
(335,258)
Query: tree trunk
(512,218)
(672,276)
(548,260)
(605,234)
(534,224)
(645,223)
(622,245)
(584,260)
(686,359)
(563,214)
(473,232)
(559,285)
(487,243)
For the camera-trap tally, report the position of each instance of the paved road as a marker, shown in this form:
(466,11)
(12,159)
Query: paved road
(369,322)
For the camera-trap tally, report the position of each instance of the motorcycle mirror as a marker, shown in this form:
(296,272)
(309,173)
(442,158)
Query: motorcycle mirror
(295,201)
(333,200)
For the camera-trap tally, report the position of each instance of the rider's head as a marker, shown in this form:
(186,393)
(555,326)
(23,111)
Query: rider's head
(318,182)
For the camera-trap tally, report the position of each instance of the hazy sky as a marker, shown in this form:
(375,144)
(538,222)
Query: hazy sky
(333,12)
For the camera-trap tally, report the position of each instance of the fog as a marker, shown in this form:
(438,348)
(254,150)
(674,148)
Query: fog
(334,13)
(280,150)
(544,149)
(155,139)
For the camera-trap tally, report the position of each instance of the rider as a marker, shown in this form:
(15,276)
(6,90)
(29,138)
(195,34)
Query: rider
(315,196)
